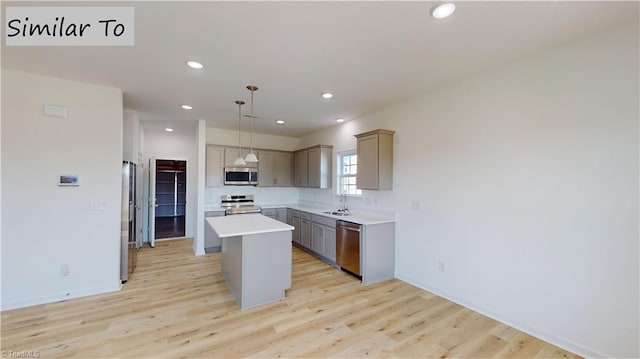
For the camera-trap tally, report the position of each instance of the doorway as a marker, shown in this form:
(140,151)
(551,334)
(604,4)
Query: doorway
(170,194)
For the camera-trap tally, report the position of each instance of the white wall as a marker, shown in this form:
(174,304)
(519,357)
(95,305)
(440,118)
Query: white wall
(177,146)
(198,243)
(131,136)
(526,180)
(45,226)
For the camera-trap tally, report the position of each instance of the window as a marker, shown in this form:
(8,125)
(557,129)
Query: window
(347,170)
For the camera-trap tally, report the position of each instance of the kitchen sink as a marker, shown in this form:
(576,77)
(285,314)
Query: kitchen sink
(335,213)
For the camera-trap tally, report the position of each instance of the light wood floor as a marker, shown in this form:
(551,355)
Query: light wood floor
(178,305)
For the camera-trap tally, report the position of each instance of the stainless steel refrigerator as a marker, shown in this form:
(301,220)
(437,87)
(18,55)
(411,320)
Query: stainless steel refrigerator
(128,238)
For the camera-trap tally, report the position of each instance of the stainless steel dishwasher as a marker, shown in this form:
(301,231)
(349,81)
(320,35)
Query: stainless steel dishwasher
(348,247)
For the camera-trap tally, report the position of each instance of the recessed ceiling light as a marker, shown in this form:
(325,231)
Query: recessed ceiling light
(339,120)
(168,129)
(443,10)
(195,65)
(186,107)
(327,95)
(280,122)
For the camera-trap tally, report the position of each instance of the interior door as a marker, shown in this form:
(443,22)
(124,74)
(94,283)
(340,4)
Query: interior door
(152,202)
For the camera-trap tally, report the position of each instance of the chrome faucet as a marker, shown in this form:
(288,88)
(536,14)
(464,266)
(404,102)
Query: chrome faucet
(343,199)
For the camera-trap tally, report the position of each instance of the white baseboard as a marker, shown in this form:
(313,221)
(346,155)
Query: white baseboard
(559,342)
(59,296)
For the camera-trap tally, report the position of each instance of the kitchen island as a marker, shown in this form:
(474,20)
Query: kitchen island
(256,257)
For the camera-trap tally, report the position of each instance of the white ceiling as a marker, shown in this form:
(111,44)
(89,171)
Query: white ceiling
(369,54)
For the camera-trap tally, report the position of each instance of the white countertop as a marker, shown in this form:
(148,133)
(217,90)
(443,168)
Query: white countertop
(243,224)
(355,217)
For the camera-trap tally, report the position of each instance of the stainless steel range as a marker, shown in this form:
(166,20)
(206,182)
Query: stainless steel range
(239,204)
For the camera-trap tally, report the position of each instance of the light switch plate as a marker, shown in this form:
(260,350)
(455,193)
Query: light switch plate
(55,111)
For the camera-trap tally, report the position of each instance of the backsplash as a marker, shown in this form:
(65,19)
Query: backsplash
(263,195)
(374,202)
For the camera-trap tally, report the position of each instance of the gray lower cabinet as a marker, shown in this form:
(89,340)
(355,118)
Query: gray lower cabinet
(317,237)
(305,232)
(317,234)
(295,222)
(330,243)
(270,212)
(323,237)
(279,214)
(293,219)
(212,243)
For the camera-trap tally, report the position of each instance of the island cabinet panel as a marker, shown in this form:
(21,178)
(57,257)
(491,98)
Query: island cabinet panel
(255,258)
(253,277)
(212,242)
(214,172)
(375,160)
(301,168)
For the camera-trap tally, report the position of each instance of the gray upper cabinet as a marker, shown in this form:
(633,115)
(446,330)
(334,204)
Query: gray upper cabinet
(267,169)
(312,167)
(274,169)
(284,173)
(375,160)
(214,166)
(301,168)
(231,154)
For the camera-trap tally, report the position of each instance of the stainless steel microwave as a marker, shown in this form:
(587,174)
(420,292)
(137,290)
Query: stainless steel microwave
(240,176)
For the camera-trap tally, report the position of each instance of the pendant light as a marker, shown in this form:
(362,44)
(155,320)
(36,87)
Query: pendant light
(239,161)
(251,157)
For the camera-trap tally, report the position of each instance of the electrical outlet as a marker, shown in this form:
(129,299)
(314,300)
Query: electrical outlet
(441,266)
(98,205)
(415,205)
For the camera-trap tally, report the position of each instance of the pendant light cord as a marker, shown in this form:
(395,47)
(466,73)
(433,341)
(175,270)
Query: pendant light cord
(251,151)
(239,117)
